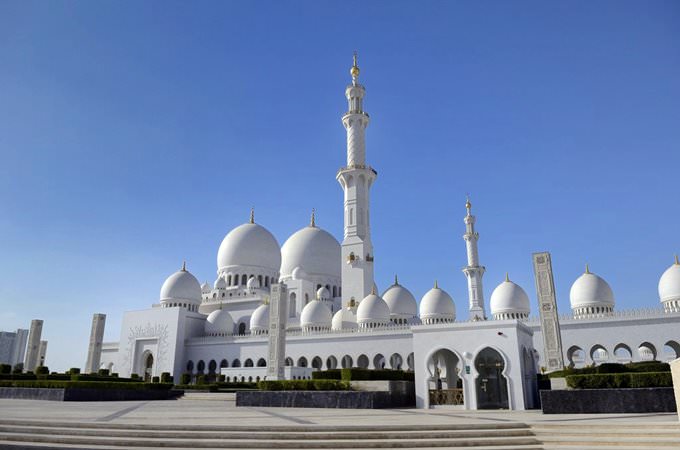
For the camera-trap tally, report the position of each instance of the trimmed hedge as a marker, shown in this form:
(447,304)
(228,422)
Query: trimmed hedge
(303,385)
(620,380)
(5,369)
(42,370)
(362,374)
(185,379)
(608,368)
(196,387)
(166,377)
(51,384)
(231,385)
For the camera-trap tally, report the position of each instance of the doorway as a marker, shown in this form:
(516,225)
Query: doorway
(491,385)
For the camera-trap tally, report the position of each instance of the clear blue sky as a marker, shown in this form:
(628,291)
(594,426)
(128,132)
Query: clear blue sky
(134,135)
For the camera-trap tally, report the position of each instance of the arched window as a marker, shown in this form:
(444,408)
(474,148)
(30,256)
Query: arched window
(241,329)
(302,362)
(291,305)
(244,280)
(212,366)
(335,291)
(200,367)
(259,278)
(190,366)
(261,362)
(248,363)
(331,362)
(347,362)
(224,364)
(289,361)
(306,298)
(317,363)
(236,363)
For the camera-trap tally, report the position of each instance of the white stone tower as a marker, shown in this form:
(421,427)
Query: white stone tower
(94,350)
(473,271)
(33,349)
(356,180)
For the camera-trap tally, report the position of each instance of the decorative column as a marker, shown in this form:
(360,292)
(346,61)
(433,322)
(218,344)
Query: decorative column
(33,348)
(547,308)
(356,180)
(278,316)
(473,271)
(94,351)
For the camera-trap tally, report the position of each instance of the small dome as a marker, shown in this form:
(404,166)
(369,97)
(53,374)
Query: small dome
(401,302)
(323,294)
(220,283)
(253,283)
(315,314)
(437,306)
(591,291)
(219,322)
(315,250)
(205,288)
(669,284)
(249,244)
(344,319)
(181,286)
(259,321)
(509,301)
(373,309)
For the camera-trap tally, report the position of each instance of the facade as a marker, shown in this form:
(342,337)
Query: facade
(335,317)
(13,346)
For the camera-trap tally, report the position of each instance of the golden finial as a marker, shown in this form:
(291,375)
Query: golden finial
(312,222)
(352,302)
(354,71)
(396,280)
(373,290)
(507,277)
(184,266)
(587,268)
(252,215)
(436,286)
(468,205)
(677,263)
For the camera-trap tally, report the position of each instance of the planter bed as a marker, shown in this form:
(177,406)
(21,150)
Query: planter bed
(324,399)
(630,400)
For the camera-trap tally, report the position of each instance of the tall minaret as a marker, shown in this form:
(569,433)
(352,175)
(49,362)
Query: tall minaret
(356,180)
(473,271)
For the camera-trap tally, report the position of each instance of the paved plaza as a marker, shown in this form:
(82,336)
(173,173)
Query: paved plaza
(220,410)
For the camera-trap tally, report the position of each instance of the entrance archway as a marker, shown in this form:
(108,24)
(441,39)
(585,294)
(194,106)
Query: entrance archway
(445,387)
(491,386)
(148,367)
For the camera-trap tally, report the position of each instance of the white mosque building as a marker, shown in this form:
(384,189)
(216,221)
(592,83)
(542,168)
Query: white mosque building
(337,317)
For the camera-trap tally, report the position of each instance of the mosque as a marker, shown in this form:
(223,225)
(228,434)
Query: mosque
(337,317)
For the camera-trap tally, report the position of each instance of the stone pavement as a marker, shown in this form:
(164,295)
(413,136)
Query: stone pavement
(219,409)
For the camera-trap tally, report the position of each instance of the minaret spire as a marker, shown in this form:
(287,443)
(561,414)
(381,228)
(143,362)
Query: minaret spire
(312,222)
(252,215)
(473,271)
(356,179)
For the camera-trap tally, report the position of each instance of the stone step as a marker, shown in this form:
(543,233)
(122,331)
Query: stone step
(260,434)
(589,441)
(103,440)
(269,428)
(33,446)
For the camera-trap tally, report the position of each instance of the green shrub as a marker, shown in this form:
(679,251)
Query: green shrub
(42,370)
(166,377)
(648,366)
(185,379)
(5,369)
(134,376)
(73,371)
(303,385)
(330,374)
(238,385)
(103,372)
(357,374)
(114,375)
(200,379)
(155,379)
(18,368)
(198,387)
(221,378)
(620,380)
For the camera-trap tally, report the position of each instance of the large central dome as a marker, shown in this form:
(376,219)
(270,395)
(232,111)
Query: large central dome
(249,244)
(314,250)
